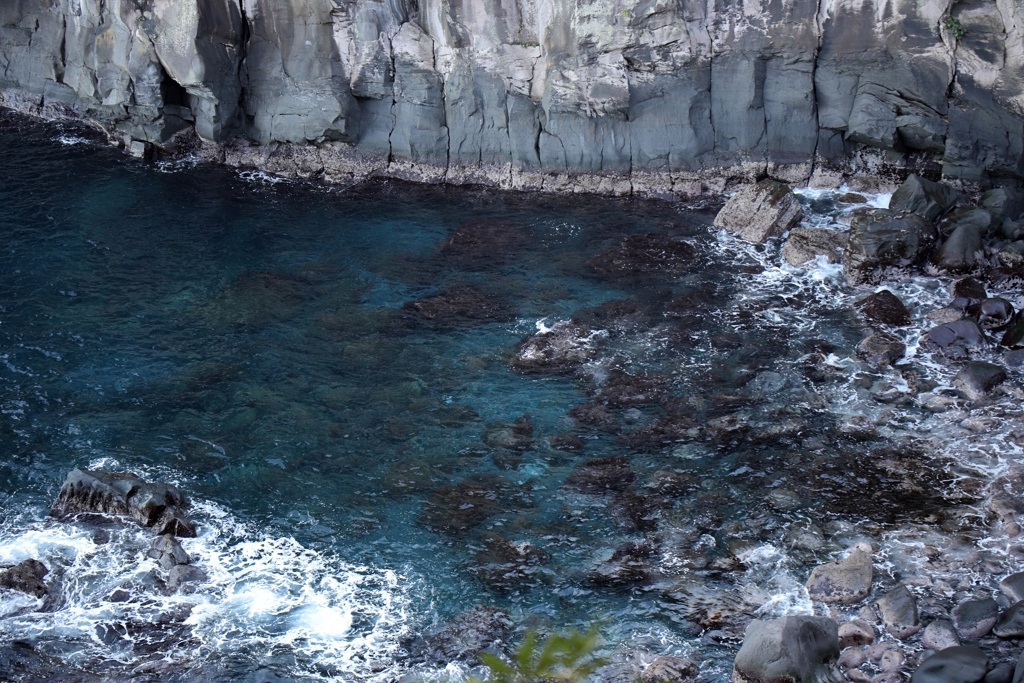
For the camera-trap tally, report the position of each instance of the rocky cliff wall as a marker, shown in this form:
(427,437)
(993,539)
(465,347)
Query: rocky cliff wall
(602,95)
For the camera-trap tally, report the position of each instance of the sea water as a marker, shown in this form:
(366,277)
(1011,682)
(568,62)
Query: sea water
(246,338)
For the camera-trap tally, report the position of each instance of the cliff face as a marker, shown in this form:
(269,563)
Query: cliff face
(605,95)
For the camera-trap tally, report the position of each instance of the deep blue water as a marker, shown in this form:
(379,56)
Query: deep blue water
(248,340)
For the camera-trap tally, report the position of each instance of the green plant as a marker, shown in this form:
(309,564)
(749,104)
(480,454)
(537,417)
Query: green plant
(559,658)
(953,25)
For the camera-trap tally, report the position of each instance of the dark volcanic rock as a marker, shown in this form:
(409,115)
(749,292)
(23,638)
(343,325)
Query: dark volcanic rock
(899,612)
(1004,203)
(458,304)
(880,349)
(757,212)
(516,436)
(167,551)
(181,575)
(960,251)
(968,288)
(975,618)
(992,314)
(979,220)
(1013,587)
(26,577)
(884,307)
(463,637)
(667,669)
(600,475)
(157,506)
(643,254)
(454,510)
(506,565)
(795,649)
(1014,335)
(957,337)
(978,378)
(627,565)
(923,197)
(963,664)
(1011,623)
(481,243)
(1012,255)
(882,240)
(804,244)
(562,347)
(845,581)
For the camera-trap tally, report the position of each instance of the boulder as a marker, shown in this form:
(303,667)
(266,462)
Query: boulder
(961,664)
(183,574)
(992,314)
(1001,673)
(1014,335)
(960,251)
(463,637)
(157,506)
(899,612)
(645,254)
(881,240)
(559,348)
(939,635)
(978,378)
(757,212)
(975,618)
(1014,359)
(1012,230)
(957,337)
(845,581)
(167,551)
(1004,203)
(1012,255)
(967,216)
(923,197)
(855,633)
(1011,623)
(600,475)
(667,669)
(804,244)
(795,649)
(968,288)
(26,577)
(884,307)
(1013,587)
(880,349)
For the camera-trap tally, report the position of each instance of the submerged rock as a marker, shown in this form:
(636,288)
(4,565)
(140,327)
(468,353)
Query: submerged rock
(804,244)
(506,565)
(882,240)
(961,664)
(457,304)
(645,253)
(559,348)
(884,307)
(667,669)
(454,510)
(157,506)
(880,349)
(795,649)
(978,378)
(26,577)
(923,197)
(845,581)
(600,475)
(629,564)
(757,212)
(899,612)
(463,637)
(515,436)
(992,314)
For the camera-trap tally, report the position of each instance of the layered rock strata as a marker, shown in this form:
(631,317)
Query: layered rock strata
(614,96)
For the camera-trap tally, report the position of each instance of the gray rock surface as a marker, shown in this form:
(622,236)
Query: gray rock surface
(844,581)
(1011,622)
(939,635)
(26,577)
(1013,585)
(667,669)
(799,649)
(923,197)
(880,349)
(757,212)
(962,664)
(1003,203)
(899,612)
(621,97)
(960,251)
(804,244)
(856,632)
(975,618)
(977,379)
(882,240)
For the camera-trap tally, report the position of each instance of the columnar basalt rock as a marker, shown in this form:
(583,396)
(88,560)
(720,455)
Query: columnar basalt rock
(615,97)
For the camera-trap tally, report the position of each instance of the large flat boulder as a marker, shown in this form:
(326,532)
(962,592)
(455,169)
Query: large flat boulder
(156,506)
(923,197)
(805,244)
(961,664)
(845,581)
(756,212)
(796,649)
(882,240)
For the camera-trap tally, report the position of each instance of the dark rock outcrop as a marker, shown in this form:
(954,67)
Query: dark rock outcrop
(882,240)
(978,378)
(157,506)
(804,244)
(757,212)
(962,664)
(880,349)
(923,197)
(796,649)
(26,577)
(463,637)
(884,307)
(666,669)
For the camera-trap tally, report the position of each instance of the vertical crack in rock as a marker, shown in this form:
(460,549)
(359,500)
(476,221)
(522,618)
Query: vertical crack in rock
(394,98)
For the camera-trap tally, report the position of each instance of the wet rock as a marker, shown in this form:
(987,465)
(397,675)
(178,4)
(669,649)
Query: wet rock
(183,574)
(939,635)
(566,442)
(515,436)
(891,660)
(458,304)
(673,428)
(968,288)
(26,577)
(757,212)
(884,307)
(409,476)
(804,244)
(975,618)
(844,581)
(629,564)
(1011,623)
(454,510)
(644,254)
(1014,359)
(478,244)
(992,314)
(600,475)
(1012,230)
(979,220)
(167,551)
(957,337)
(1014,335)
(596,414)
(798,649)
(464,637)
(899,612)
(961,664)
(157,506)
(559,348)
(506,565)
(1013,587)
(851,198)
(667,669)
(960,251)
(621,389)
(1012,255)
(1004,203)
(881,241)
(880,349)
(923,197)
(1002,673)
(855,633)
(671,483)
(978,378)
(851,657)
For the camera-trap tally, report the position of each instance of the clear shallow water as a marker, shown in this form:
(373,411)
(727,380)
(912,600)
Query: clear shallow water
(246,339)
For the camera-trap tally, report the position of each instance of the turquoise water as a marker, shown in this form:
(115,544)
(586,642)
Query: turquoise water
(248,339)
